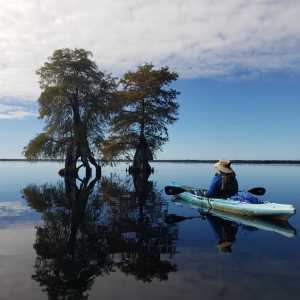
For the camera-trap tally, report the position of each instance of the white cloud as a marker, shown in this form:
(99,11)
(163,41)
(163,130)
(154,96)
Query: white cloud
(12,209)
(11,111)
(195,37)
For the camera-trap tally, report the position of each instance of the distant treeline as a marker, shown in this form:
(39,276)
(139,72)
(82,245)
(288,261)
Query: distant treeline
(258,162)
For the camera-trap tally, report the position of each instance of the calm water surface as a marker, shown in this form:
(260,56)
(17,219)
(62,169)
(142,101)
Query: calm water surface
(119,244)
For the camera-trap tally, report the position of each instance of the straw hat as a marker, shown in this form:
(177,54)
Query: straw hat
(224,166)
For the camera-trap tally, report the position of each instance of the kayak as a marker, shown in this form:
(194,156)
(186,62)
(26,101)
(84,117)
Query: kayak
(236,205)
(266,224)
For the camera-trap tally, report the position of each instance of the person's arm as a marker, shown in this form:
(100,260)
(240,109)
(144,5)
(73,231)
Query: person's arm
(214,186)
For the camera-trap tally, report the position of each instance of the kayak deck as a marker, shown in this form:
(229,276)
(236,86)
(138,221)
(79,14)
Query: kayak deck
(265,209)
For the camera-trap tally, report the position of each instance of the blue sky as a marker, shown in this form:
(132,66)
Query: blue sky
(237,119)
(238,61)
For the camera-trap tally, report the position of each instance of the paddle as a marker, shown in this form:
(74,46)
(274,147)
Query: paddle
(175,190)
(173,218)
(258,191)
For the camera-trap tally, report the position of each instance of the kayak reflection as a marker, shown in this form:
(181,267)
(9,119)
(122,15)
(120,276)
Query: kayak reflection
(92,228)
(226,225)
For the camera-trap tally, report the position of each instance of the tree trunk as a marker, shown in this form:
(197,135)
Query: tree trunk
(81,142)
(142,157)
(70,162)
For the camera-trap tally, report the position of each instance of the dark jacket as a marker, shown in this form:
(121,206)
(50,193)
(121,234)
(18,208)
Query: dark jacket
(223,186)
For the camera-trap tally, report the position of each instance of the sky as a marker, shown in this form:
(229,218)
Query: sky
(238,63)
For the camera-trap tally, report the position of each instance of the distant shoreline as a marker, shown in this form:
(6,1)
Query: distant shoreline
(194,161)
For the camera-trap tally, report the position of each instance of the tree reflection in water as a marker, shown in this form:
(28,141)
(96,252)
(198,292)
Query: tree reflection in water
(143,242)
(72,245)
(92,228)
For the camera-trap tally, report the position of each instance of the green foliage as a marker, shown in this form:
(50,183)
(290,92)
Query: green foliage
(145,104)
(73,102)
(43,146)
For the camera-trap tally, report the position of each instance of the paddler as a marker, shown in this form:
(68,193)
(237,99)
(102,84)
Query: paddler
(224,183)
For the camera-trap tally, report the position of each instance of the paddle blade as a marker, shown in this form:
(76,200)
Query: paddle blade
(172,218)
(173,190)
(258,191)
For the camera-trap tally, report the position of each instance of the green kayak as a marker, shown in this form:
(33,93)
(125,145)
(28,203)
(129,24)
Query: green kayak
(277,226)
(235,205)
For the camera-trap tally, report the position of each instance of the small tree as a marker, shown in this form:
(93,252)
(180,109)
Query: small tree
(73,102)
(143,108)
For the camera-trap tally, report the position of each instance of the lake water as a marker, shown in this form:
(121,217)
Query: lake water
(119,244)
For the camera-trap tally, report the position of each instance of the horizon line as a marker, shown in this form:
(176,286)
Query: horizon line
(236,161)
